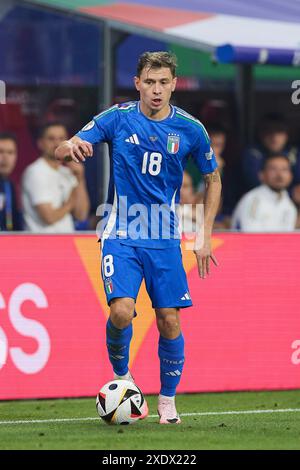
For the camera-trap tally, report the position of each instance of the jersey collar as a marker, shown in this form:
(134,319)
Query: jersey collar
(170,116)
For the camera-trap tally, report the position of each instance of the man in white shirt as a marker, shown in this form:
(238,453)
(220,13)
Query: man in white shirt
(52,193)
(268,208)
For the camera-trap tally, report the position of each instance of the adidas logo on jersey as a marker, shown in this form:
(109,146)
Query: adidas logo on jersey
(186,296)
(133,139)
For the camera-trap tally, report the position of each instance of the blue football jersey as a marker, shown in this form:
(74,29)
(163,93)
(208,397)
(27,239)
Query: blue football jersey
(147,158)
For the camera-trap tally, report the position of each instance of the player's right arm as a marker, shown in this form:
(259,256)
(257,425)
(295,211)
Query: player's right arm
(80,146)
(74,149)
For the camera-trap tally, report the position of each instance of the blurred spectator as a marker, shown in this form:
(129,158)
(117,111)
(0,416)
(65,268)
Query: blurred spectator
(52,193)
(268,208)
(10,218)
(218,138)
(296,199)
(273,135)
(187,208)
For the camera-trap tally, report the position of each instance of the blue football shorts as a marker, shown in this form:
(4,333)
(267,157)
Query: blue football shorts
(124,267)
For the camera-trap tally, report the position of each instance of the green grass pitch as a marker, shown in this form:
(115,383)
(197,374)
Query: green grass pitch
(261,420)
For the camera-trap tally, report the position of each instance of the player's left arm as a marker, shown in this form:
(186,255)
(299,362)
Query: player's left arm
(203,249)
(205,159)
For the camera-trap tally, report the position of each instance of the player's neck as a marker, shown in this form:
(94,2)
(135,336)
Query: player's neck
(153,114)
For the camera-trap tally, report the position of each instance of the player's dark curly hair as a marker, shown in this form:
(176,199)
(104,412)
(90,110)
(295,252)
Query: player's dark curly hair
(157,60)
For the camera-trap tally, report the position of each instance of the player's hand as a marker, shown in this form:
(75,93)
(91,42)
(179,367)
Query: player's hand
(204,255)
(75,150)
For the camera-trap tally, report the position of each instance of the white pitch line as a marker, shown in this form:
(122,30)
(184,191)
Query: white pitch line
(44,421)
(204,413)
(240,412)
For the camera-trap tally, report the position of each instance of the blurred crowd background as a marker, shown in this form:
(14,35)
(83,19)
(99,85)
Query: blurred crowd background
(52,64)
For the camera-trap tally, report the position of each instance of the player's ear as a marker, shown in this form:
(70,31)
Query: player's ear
(137,83)
(174,83)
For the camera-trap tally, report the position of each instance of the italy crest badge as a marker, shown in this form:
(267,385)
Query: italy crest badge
(108,285)
(173,143)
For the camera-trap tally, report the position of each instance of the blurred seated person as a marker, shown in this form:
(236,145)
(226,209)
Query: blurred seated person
(218,139)
(268,207)
(187,207)
(274,137)
(295,195)
(10,218)
(53,194)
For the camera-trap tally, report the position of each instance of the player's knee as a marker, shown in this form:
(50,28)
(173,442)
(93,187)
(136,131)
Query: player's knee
(168,325)
(121,314)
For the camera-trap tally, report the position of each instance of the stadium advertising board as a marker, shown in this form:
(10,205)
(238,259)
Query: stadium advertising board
(243,332)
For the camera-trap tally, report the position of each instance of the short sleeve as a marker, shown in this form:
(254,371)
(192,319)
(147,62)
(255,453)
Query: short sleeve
(102,128)
(37,187)
(202,153)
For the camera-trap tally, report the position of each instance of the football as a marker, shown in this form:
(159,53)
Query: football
(120,402)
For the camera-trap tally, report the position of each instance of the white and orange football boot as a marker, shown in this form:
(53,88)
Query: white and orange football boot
(167,410)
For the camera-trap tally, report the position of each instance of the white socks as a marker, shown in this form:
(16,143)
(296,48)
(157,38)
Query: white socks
(127,376)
